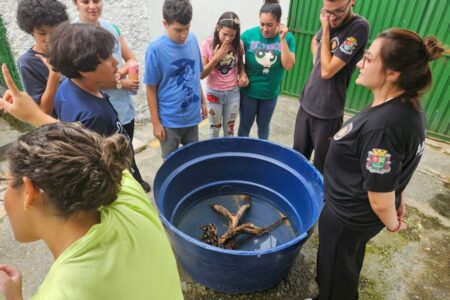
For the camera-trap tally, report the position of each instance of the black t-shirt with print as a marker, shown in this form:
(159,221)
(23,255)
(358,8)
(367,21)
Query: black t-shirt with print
(377,150)
(227,63)
(325,98)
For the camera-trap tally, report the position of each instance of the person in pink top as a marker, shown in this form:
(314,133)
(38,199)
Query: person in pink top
(223,69)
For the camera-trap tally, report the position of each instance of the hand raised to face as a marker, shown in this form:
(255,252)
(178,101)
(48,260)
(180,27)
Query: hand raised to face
(20,104)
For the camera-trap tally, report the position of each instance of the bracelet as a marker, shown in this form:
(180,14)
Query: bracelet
(397,228)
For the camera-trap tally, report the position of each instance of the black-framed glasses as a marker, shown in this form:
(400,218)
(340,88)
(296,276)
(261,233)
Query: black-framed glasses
(367,56)
(338,13)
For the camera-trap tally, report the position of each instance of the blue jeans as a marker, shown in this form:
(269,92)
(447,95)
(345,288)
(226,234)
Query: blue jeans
(223,108)
(252,108)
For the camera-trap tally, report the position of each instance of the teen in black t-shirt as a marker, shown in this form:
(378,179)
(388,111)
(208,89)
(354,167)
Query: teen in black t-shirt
(372,158)
(39,18)
(336,48)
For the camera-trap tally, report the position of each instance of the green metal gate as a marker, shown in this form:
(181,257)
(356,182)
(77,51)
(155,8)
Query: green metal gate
(427,17)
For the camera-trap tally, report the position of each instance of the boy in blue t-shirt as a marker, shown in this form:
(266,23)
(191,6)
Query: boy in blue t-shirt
(83,53)
(38,18)
(172,76)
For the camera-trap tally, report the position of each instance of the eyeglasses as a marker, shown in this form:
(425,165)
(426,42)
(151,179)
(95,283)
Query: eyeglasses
(368,57)
(338,13)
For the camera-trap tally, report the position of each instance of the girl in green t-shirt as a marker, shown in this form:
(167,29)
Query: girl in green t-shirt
(269,50)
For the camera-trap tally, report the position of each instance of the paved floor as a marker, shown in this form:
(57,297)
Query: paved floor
(410,265)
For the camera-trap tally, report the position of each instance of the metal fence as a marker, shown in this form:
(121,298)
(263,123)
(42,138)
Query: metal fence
(426,17)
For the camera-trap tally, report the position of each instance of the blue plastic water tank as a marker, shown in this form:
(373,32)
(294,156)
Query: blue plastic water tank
(238,166)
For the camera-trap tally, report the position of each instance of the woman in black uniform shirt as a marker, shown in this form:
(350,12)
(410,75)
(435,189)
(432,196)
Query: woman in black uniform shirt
(372,158)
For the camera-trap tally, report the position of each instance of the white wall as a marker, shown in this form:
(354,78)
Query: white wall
(207,12)
(141,20)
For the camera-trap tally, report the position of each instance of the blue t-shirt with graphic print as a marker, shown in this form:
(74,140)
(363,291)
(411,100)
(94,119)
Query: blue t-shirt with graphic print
(72,104)
(175,69)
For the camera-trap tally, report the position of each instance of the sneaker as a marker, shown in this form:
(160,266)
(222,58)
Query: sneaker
(146,186)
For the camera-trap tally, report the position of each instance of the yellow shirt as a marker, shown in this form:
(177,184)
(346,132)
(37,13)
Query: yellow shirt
(126,256)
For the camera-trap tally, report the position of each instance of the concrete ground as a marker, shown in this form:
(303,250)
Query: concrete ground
(413,264)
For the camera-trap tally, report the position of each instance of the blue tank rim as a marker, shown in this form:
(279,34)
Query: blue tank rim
(187,147)
(164,185)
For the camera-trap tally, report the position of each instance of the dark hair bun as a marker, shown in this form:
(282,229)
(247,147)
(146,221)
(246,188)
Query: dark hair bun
(76,168)
(272,7)
(434,48)
(116,153)
(115,157)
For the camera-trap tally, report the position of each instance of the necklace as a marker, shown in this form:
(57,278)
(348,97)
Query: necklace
(381,102)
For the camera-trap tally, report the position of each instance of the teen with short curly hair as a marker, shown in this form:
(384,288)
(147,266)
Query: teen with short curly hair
(38,18)
(32,14)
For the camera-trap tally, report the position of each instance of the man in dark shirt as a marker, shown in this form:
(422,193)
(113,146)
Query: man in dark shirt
(336,48)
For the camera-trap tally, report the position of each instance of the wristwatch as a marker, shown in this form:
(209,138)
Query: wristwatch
(119,84)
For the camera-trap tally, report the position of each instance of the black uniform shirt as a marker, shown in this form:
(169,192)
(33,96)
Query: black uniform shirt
(377,150)
(325,98)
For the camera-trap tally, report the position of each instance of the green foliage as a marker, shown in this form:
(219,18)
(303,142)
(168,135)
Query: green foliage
(7,58)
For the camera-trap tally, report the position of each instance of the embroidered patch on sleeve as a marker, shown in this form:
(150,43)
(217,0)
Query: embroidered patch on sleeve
(334,44)
(343,131)
(378,161)
(349,45)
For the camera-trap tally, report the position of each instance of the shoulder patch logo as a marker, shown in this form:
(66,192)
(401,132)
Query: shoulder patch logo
(349,45)
(343,131)
(378,161)
(334,44)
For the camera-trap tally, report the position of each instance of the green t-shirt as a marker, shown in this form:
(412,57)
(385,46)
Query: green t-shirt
(263,63)
(125,256)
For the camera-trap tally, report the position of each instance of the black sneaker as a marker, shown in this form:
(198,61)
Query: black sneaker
(146,186)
